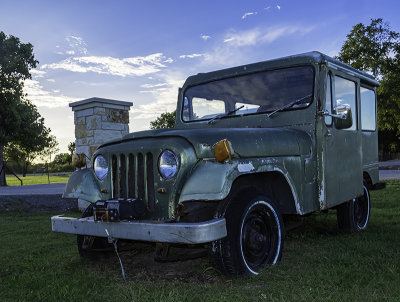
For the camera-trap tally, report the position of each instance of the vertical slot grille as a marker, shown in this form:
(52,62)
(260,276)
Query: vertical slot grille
(131,176)
(140,176)
(150,181)
(122,177)
(114,167)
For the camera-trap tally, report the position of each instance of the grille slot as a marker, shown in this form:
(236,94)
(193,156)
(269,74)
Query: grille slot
(114,167)
(122,176)
(150,181)
(133,177)
(140,176)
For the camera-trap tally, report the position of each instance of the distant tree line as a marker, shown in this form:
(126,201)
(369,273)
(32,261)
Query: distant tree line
(165,120)
(62,162)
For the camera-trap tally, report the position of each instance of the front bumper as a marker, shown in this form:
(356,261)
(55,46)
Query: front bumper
(190,233)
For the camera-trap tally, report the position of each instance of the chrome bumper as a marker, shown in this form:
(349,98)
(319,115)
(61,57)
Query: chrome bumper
(192,233)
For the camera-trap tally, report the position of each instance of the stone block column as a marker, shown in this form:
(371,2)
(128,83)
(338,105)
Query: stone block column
(99,120)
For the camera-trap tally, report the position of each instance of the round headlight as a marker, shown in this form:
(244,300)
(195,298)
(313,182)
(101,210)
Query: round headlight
(168,164)
(100,167)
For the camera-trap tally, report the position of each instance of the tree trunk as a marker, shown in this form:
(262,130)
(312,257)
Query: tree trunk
(24,168)
(3,181)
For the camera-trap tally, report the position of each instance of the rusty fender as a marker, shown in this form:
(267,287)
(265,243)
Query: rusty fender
(213,181)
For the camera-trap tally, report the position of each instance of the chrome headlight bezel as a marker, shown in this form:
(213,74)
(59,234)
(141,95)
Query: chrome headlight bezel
(100,167)
(168,164)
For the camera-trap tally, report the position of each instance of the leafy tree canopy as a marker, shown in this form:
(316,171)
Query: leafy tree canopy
(22,128)
(165,120)
(71,148)
(375,48)
(371,48)
(16,59)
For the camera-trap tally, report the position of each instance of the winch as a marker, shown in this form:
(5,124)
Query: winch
(118,209)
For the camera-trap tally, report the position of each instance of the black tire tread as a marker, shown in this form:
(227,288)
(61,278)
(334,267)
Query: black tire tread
(223,254)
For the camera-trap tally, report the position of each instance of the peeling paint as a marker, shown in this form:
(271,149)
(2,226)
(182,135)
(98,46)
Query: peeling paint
(243,168)
(322,184)
(295,197)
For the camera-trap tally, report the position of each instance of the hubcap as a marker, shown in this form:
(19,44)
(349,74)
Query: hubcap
(258,239)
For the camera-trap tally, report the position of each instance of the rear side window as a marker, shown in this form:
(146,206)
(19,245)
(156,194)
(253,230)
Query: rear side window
(368,112)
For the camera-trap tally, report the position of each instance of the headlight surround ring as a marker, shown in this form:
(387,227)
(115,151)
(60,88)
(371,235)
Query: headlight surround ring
(168,164)
(100,167)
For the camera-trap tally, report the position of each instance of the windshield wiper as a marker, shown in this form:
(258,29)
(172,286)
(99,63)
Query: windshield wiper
(295,102)
(224,114)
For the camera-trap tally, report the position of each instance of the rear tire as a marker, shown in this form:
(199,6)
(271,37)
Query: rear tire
(255,235)
(354,215)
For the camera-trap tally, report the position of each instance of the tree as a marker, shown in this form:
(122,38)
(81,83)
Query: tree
(16,59)
(38,143)
(375,48)
(71,148)
(165,120)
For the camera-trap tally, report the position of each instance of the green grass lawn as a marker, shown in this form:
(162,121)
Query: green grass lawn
(35,180)
(319,263)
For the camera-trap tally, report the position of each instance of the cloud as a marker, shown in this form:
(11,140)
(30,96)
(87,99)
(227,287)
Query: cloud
(77,45)
(267,8)
(70,52)
(134,66)
(153,85)
(37,73)
(192,56)
(205,37)
(165,96)
(41,97)
(238,44)
(257,35)
(278,7)
(228,40)
(248,14)
(51,80)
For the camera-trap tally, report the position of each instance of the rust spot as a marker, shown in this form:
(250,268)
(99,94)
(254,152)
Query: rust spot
(161,190)
(103,191)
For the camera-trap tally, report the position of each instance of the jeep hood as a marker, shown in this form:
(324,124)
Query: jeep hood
(246,142)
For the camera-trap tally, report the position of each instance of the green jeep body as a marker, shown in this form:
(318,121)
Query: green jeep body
(301,159)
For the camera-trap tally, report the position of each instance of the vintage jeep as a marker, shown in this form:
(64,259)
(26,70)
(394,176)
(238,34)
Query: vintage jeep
(251,145)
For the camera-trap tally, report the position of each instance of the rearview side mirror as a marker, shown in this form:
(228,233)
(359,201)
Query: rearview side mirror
(342,116)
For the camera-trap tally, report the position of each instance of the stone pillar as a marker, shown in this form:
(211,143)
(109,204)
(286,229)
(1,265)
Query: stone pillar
(97,121)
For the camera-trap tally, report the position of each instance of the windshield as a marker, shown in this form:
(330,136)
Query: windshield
(249,94)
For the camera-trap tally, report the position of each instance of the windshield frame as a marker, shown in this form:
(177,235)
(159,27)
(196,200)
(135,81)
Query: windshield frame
(225,116)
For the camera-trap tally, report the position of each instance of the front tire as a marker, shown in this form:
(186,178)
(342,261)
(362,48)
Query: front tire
(90,247)
(255,236)
(354,215)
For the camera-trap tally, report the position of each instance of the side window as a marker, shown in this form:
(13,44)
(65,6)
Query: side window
(368,113)
(345,93)
(203,108)
(328,101)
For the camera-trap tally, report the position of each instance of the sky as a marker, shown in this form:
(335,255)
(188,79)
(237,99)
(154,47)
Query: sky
(142,51)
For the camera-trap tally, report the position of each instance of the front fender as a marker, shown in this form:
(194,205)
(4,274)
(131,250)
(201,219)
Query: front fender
(213,181)
(82,184)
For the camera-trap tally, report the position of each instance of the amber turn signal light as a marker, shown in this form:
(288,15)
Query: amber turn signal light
(223,150)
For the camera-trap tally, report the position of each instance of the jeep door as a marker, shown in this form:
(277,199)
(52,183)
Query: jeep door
(341,148)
